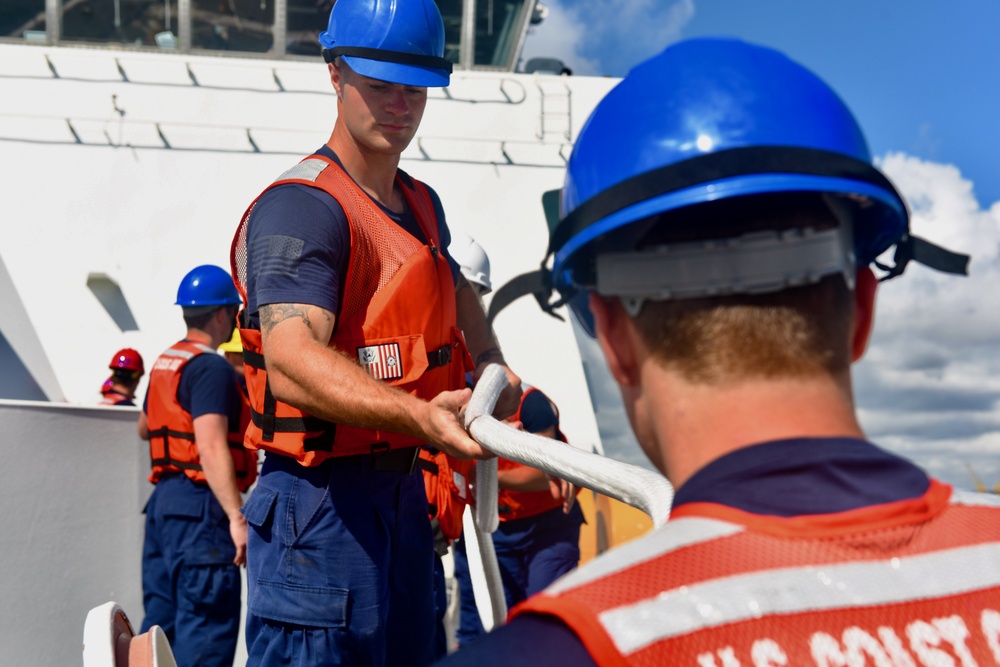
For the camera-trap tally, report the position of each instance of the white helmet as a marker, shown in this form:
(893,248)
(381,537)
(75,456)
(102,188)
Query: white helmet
(473,260)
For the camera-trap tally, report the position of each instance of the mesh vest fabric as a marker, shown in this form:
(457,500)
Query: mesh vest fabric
(915,582)
(397,319)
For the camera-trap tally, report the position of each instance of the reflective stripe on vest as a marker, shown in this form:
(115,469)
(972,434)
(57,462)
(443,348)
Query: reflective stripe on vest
(307,170)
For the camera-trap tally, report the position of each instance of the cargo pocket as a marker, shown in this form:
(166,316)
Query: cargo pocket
(300,605)
(259,509)
(280,601)
(194,534)
(182,507)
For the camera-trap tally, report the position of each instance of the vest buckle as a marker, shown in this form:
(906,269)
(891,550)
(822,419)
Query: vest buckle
(439,357)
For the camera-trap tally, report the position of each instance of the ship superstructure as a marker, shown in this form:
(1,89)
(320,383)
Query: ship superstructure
(126,166)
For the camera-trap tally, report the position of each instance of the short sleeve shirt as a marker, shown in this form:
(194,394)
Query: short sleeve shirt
(298,245)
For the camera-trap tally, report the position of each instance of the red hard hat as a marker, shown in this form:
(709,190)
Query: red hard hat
(127,359)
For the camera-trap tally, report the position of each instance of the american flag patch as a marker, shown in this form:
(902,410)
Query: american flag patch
(381,361)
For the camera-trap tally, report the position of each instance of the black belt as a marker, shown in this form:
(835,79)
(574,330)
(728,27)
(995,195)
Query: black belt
(381,458)
(384,459)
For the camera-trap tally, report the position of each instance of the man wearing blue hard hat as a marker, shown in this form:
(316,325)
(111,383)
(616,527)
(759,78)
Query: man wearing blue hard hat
(719,220)
(358,330)
(194,417)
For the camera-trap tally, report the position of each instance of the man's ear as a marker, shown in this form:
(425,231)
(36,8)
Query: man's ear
(864,312)
(221,315)
(336,78)
(611,326)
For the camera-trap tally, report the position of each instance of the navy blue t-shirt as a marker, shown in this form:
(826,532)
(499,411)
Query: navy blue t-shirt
(783,478)
(298,245)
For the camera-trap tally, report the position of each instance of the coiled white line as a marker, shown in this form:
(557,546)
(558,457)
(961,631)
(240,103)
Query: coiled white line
(635,486)
(644,489)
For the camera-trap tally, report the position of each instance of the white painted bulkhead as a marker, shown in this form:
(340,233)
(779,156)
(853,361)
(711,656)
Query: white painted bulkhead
(72,487)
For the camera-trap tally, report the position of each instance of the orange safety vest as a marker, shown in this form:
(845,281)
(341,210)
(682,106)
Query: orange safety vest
(446,480)
(522,504)
(114,397)
(171,429)
(235,438)
(913,582)
(397,319)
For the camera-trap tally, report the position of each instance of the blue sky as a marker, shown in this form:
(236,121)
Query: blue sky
(923,79)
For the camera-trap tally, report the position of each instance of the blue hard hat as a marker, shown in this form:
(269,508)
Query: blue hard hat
(706,120)
(709,119)
(390,40)
(207,285)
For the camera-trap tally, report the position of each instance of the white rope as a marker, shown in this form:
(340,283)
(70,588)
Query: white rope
(635,486)
(487,490)
(482,557)
(641,488)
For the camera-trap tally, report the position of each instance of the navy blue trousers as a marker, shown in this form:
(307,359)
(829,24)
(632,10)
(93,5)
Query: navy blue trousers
(190,587)
(339,566)
(440,609)
(535,551)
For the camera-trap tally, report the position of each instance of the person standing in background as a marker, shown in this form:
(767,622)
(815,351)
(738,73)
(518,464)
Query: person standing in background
(126,371)
(538,539)
(195,540)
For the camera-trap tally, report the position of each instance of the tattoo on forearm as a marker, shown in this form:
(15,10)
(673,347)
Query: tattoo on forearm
(272,314)
(492,353)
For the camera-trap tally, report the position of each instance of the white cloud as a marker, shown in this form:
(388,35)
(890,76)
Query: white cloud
(561,36)
(929,386)
(579,33)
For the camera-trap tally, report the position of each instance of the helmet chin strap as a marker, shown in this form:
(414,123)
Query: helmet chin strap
(537,283)
(750,264)
(912,248)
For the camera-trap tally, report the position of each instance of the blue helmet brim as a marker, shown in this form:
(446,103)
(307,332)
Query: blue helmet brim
(404,75)
(877,229)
